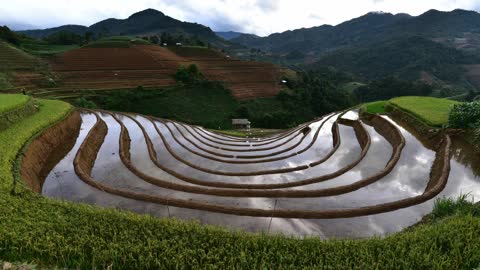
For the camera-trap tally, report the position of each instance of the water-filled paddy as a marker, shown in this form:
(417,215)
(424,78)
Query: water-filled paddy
(176,152)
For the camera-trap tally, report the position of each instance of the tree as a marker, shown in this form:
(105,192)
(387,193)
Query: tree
(189,74)
(154,39)
(9,36)
(88,36)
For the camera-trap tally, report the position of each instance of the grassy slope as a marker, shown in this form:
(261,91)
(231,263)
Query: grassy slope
(12,58)
(43,48)
(375,107)
(13,139)
(210,107)
(10,102)
(75,235)
(432,111)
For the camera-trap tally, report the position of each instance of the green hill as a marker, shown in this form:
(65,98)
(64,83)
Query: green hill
(404,57)
(147,22)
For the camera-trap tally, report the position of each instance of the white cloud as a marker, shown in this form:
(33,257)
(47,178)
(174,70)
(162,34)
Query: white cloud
(254,16)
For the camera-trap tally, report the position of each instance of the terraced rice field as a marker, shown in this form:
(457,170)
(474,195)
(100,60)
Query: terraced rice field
(154,66)
(21,68)
(338,176)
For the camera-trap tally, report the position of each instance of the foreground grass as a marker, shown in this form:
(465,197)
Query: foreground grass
(432,111)
(11,102)
(50,232)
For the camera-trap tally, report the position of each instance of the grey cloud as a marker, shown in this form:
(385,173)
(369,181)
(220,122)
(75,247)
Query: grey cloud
(267,5)
(315,16)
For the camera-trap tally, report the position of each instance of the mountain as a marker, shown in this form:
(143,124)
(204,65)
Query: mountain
(146,22)
(404,57)
(229,35)
(77,29)
(16,26)
(436,45)
(371,28)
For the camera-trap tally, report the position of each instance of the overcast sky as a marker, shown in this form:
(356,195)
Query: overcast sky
(261,17)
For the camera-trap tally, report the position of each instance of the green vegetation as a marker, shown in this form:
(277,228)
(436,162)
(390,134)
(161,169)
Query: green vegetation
(108,44)
(117,42)
(207,104)
(50,232)
(403,57)
(43,48)
(189,75)
(64,38)
(82,102)
(80,236)
(195,100)
(9,36)
(432,111)
(391,87)
(351,86)
(14,138)
(376,107)
(4,81)
(12,58)
(12,102)
(466,116)
(461,206)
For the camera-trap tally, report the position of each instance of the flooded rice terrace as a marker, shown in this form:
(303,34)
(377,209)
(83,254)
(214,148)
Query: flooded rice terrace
(338,176)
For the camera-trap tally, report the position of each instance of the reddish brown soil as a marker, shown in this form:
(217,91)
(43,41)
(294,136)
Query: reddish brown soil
(153,66)
(45,151)
(473,74)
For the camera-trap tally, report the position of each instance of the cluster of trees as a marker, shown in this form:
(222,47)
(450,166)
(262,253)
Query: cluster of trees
(68,38)
(9,36)
(189,74)
(466,116)
(391,87)
(313,94)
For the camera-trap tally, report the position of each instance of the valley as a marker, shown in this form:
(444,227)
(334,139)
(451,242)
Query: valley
(149,142)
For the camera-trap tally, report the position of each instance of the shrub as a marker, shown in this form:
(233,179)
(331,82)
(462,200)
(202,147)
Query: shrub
(465,115)
(188,75)
(84,103)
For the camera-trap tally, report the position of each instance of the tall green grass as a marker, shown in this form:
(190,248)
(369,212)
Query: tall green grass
(462,205)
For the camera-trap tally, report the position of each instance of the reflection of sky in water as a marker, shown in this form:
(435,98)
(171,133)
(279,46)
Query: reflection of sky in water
(409,178)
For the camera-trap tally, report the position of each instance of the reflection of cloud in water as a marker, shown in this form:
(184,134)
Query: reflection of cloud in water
(408,179)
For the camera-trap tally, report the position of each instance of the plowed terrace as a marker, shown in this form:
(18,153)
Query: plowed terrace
(153,66)
(335,176)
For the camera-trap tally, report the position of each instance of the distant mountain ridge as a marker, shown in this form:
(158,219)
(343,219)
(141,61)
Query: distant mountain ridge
(368,29)
(229,34)
(435,44)
(146,22)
